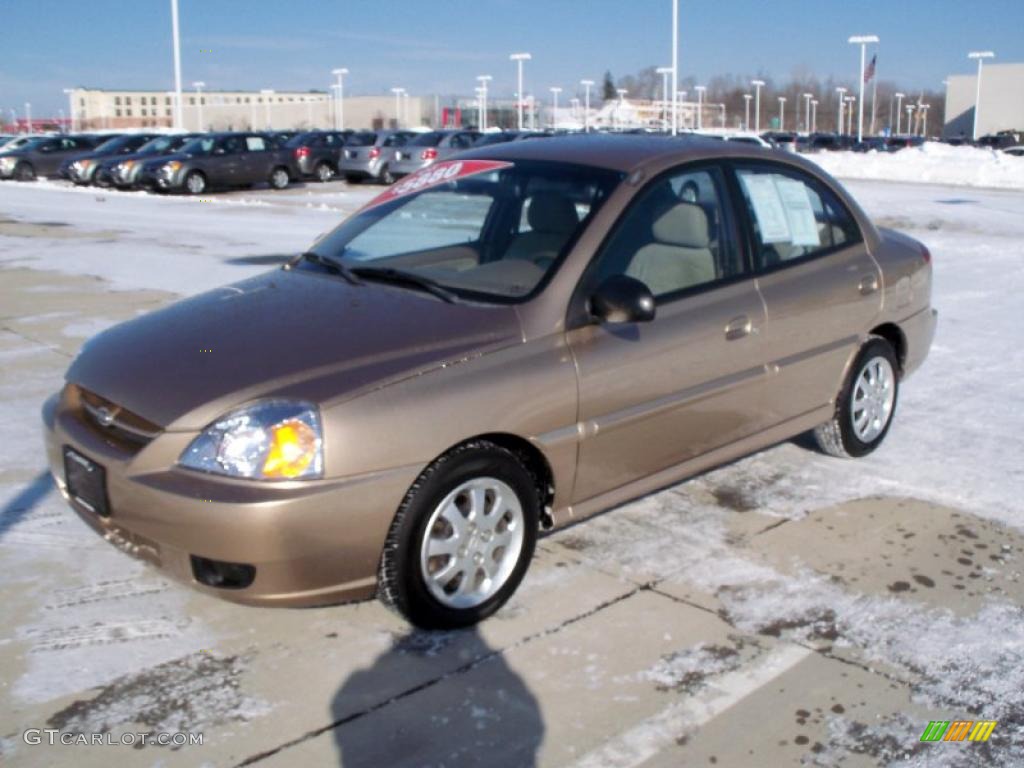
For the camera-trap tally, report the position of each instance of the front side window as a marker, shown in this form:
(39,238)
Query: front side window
(675,237)
(470,233)
(793,216)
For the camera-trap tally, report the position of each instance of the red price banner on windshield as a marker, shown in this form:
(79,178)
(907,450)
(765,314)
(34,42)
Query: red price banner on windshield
(434,175)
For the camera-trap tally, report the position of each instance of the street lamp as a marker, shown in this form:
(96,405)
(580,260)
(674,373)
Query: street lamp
(587,84)
(675,67)
(849,115)
(28,116)
(980,56)
(910,117)
(899,110)
(179,122)
(782,113)
(924,119)
(267,93)
(746,111)
(398,106)
(814,115)
(339,110)
(757,104)
(71,105)
(700,105)
(199,85)
(664,72)
(862,41)
(484,79)
(807,111)
(555,90)
(519,58)
(839,117)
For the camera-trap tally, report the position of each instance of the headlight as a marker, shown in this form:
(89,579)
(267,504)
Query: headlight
(172,167)
(127,165)
(7,162)
(272,440)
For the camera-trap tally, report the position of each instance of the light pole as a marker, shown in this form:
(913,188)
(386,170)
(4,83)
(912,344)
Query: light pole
(757,104)
(28,116)
(924,119)
(862,41)
(484,79)
(980,56)
(910,117)
(555,90)
(587,84)
(398,106)
(179,122)
(899,110)
(574,108)
(849,114)
(339,109)
(807,111)
(519,58)
(700,105)
(839,117)
(681,95)
(71,106)
(814,115)
(675,67)
(266,93)
(782,113)
(199,85)
(664,72)
(622,97)
(746,111)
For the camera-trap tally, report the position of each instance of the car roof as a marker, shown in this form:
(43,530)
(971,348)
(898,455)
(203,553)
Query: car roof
(623,152)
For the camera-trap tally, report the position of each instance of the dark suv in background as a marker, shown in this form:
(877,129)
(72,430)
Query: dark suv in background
(316,154)
(220,160)
(43,156)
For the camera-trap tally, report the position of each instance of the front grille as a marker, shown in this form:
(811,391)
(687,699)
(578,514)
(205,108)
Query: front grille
(109,420)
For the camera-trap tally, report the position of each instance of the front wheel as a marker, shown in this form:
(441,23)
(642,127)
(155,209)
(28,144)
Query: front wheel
(866,403)
(279,178)
(462,539)
(195,183)
(24,172)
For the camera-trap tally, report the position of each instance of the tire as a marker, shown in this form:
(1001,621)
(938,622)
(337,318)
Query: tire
(24,172)
(871,390)
(462,486)
(279,178)
(195,183)
(386,177)
(323,172)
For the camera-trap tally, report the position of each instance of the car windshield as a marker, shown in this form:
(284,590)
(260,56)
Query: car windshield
(159,144)
(484,230)
(201,146)
(362,139)
(113,144)
(25,142)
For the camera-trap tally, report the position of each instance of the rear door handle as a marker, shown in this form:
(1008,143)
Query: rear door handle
(738,327)
(868,284)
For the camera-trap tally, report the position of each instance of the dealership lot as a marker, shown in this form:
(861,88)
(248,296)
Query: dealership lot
(785,608)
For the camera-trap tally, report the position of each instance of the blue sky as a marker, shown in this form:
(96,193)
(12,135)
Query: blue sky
(441,46)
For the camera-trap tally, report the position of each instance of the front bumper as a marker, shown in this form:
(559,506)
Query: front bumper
(311,543)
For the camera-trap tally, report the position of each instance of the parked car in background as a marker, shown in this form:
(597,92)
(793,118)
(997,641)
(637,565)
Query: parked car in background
(501,137)
(371,155)
(818,142)
(896,143)
(220,160)
(516,339)
(82,169)
(427,148)
(42,156)
(123,171)
(316,154)
(750,138)
(1017,151)
(1000,140)
(871,144)
(782,140)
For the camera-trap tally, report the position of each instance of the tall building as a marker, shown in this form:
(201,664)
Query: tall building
(1002,101)
(98,109)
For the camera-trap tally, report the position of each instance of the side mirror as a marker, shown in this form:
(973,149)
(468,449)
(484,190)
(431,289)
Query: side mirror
(220,151)
(623,299)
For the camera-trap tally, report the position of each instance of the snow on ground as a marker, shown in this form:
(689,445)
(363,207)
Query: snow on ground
(932,163)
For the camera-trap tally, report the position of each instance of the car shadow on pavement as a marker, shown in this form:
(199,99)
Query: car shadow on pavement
(17,508)
(473,710)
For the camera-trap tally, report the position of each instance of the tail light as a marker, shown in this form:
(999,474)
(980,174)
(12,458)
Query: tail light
(926,254)
(429,154)
(374,153)
(302,152)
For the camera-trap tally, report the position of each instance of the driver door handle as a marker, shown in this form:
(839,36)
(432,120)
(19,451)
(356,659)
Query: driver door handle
(738,327)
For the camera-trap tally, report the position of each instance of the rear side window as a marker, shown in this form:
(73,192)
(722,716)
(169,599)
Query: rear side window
(397,140)
(255,144)
(427,140)
(362,139)
(793,216)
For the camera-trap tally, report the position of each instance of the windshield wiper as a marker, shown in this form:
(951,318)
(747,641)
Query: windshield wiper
(392,275)
(333,265)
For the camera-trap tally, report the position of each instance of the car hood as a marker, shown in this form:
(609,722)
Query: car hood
(283,334)
(161,159)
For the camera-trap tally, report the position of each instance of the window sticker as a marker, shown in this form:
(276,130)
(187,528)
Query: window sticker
(768,208)
(799,212)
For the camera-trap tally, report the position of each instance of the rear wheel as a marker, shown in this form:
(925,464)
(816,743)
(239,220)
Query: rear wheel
(387,176)
(866,403)
(195,183)
(279,178)
(324,172)
(24,172)
(462,538)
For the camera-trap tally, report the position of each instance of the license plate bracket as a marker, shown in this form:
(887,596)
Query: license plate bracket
(86,482)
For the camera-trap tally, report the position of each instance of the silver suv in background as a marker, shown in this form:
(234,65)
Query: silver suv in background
(428,148)
(371,155)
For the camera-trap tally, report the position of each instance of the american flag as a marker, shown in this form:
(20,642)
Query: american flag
(870,71)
